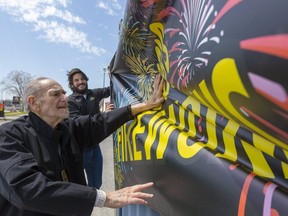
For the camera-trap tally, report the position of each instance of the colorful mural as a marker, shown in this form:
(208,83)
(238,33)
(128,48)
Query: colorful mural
(219,143)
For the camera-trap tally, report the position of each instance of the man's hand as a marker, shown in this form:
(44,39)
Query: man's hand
(109,107)
(154,101)
(128,195)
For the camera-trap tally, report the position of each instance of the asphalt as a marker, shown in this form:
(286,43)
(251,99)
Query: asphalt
(8,118)
(108,170)
(108,175)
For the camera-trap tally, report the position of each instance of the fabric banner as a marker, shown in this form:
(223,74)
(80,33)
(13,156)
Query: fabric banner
(218,145)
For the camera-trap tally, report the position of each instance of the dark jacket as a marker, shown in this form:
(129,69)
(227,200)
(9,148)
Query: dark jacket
(32,156)
(78,105)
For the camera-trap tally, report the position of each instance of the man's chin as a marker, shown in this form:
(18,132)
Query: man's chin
(80,91)
(64,113)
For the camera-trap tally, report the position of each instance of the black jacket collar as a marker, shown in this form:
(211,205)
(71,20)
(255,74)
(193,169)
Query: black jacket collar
(43,128)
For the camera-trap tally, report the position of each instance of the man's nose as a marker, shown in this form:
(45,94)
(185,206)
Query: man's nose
(64,97)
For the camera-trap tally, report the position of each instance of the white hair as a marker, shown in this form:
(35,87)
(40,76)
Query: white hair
(34,88)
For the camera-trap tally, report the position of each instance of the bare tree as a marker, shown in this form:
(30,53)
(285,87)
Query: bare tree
(15,83)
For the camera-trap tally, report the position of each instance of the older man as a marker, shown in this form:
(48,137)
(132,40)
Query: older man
(41,170)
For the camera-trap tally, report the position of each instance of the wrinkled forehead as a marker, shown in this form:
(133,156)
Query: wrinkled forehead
(48,84)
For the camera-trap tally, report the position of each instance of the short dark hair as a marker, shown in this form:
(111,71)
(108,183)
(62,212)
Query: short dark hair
(70,75)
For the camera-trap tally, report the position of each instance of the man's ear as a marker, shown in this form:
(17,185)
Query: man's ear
(33,103)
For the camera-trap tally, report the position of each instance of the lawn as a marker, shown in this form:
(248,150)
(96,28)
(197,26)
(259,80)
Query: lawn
(14,113)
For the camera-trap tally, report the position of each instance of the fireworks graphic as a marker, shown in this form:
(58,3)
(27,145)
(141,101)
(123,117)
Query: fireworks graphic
(191,41)
(191,34)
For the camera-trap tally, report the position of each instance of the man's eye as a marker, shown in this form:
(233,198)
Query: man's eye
(56,93)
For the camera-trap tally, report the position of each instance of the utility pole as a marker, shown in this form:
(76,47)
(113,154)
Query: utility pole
(102,101)
(104,72)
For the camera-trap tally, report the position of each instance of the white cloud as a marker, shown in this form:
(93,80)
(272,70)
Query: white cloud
(53,21)
(116,4)
(52,11)
(101,25)
(110,6)
(106,7)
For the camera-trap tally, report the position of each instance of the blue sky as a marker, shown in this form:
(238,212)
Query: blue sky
(50,37)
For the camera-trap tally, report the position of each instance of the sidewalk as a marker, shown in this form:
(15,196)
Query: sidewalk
(9,118)
(108,183)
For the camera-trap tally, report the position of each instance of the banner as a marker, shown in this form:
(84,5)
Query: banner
(218,145)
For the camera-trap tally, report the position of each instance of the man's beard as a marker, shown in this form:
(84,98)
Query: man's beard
(80,91)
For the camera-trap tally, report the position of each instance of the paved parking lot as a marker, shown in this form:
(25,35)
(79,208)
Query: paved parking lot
(7,118)
(108,175)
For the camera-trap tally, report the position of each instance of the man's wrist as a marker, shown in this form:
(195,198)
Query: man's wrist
(100,199)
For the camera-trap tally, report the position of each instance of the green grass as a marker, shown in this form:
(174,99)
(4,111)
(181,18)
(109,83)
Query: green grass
(14,113)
